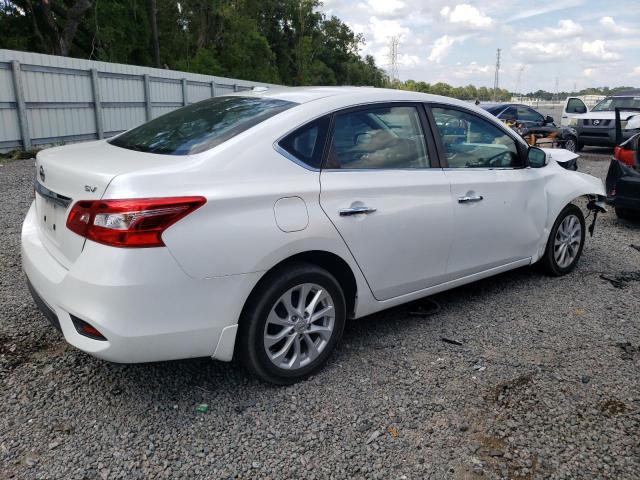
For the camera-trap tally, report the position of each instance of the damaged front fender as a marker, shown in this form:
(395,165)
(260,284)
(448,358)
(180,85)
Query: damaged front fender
(562,187)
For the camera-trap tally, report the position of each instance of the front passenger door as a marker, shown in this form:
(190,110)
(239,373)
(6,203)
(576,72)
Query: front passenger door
(499,206)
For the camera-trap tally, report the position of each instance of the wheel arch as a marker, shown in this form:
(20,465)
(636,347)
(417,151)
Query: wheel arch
(331,262)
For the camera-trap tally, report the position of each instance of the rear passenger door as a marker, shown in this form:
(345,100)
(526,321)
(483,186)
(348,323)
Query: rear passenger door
(382,188)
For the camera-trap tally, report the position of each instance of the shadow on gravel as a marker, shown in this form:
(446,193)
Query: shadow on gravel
(20,349)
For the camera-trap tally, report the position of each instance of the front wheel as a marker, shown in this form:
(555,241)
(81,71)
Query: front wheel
(565,243)
(291,323)
(571,144)
(627,214)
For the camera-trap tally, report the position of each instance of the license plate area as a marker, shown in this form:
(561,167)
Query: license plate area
(49,218)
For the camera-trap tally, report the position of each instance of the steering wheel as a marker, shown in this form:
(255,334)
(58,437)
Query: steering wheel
(493,160)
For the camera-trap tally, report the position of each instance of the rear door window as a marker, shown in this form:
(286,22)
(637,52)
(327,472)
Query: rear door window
(378,138)
(508,114)
(526,114)
(201,126)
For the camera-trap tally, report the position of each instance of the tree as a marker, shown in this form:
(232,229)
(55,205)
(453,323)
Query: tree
(55,24)
(277,41)
(153,20)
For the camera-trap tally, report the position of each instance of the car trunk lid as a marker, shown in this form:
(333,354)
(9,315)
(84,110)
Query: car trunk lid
(78,172)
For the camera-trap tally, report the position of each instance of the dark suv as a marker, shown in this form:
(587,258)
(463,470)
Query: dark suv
(527,122)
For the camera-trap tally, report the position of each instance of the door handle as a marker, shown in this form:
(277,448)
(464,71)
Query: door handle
(468,199)
(345,212)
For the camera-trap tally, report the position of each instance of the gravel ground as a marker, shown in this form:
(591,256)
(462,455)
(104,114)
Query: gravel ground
(545,384)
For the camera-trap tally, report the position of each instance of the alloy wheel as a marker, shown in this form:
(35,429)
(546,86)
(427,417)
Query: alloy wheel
(299,326)
(570,145)
(567,241)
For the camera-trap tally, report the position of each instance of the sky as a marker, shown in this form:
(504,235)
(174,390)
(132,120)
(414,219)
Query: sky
(581,43)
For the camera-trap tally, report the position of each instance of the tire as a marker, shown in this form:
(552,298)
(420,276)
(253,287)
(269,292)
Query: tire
(571,144)
(552,261)
(627,214)
(273,312)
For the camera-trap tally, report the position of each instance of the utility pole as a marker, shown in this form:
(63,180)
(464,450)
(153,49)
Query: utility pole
(518,79)
(555,91)
(496,79)
(393,59)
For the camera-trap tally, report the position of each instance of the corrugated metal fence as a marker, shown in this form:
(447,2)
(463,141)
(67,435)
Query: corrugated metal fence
(46,99)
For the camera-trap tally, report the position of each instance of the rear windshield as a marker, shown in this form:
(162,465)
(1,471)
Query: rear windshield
(610,104)
(201,126)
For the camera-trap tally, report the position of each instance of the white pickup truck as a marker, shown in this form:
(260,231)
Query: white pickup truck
(597,127)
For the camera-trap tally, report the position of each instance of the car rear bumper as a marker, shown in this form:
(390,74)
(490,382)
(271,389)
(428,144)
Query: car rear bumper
(145,305)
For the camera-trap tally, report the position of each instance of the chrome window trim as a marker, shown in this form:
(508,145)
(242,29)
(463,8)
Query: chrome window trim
(294,159)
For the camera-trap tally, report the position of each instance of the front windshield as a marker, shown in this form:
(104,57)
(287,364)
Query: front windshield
(201,126)
(611,103)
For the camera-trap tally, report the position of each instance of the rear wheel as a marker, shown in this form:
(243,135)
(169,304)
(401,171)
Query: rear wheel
(292,323)
(565,243)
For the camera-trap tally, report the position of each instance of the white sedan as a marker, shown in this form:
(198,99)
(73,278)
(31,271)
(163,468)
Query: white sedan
(255,224)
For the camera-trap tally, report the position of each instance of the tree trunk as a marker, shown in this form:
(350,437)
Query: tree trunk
(153,19)
(203,27)
(61,36)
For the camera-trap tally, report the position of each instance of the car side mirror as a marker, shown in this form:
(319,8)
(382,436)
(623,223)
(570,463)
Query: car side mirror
(548,119)
(536,157)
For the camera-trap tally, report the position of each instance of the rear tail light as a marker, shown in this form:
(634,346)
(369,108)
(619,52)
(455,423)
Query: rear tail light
(134,223)
(625,155)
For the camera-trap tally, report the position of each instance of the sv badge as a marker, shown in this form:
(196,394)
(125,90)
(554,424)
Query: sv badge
(89,188)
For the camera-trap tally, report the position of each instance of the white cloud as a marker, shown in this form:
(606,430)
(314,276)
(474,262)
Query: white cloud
(597,50)
(538,52)
(588,72)
(545,9)
(472,70)
(611,26)
(385,7)
(465,15)
(565,29)
(407,60)
(441,48)
(635,72)
(384,29)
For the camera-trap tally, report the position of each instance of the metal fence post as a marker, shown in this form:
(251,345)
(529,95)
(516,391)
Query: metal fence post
(147,96)
(213,88)
(22,108)
(235,87)
(97,102)
(185,99)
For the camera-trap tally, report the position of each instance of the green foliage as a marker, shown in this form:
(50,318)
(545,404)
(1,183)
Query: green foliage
(544,95)
(469,92)
(274,41)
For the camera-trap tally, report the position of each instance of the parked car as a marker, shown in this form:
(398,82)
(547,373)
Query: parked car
(597,127)
(532,125)
(623,177)
(254,224)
